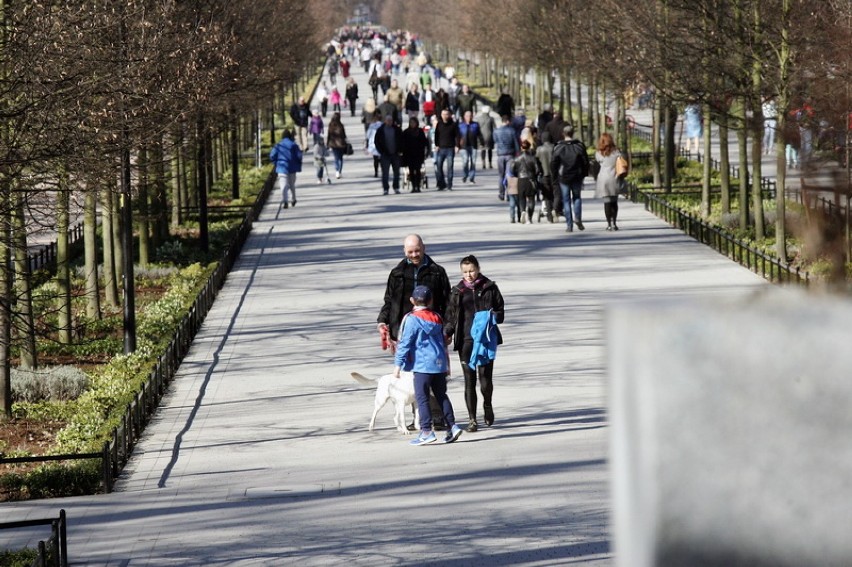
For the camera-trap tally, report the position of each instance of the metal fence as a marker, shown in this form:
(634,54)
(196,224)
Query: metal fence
(116,451)
(52,552)
(46,255)
(741,252)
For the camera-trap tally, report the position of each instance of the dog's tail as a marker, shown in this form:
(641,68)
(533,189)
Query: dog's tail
(362,379)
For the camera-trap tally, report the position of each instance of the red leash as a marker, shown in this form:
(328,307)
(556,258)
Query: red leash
(387,342)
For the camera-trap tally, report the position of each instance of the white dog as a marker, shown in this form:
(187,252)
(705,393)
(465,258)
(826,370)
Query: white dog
(398,390)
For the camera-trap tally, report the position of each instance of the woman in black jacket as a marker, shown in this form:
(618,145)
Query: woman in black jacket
(527,169)
(351,94)
(415,148)
(472,294)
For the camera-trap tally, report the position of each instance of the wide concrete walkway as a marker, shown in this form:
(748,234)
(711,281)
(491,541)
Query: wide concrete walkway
(260,454)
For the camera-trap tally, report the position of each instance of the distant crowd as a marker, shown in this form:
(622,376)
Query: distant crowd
(417,111)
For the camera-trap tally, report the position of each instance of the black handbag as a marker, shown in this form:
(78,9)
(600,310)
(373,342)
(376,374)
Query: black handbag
(594,168)
(349,149)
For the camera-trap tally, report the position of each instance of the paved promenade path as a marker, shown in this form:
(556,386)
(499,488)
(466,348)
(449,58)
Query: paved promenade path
(260,453)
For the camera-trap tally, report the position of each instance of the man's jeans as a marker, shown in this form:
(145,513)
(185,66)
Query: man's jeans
(469,163)
(502,161)
(571,202)
(448,155)
(390,162)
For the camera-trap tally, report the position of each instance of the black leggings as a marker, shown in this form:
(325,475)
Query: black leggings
(485,381)
(611,209)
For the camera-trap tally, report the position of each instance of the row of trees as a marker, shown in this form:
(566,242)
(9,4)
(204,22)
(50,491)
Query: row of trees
(125,106)
(726,55)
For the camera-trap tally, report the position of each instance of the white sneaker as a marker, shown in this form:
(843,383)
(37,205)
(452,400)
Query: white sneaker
(524,217)
(337,175)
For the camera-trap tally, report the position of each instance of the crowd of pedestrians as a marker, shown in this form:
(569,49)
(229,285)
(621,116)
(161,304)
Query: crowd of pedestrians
(418,118)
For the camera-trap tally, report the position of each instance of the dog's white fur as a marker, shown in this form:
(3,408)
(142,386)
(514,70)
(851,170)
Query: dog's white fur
(400,391)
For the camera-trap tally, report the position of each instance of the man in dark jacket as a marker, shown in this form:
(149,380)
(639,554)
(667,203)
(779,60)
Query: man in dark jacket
(543,119)
(300,112)
(555,127)
(388,108)
(505,104)
(415,269)
(466,101)
(570,166)
(389,144)
(446,141)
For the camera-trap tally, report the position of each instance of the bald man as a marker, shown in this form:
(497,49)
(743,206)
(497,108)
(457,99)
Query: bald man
(417,268)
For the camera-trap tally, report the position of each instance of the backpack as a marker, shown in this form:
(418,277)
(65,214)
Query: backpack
(580,161)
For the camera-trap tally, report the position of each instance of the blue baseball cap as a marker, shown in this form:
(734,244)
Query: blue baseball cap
(422,294)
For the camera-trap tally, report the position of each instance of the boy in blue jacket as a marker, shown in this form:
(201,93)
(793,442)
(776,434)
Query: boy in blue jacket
(421,349)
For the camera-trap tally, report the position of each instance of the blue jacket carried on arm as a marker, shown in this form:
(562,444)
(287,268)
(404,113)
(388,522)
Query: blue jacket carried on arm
(483,331)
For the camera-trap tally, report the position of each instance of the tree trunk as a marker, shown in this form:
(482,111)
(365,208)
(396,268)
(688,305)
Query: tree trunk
(742,148)
(757,173)
(781,184)
(782,102)
(143,221)
(159,199)
(235,155)
(706,202)
(551,83)
(603,126)
(670,150)
(63,268)
(757,131)
(90,229)
(591,109)
(23,285)
(177,182)
(656,149)
(201,168)
(118,235)
(621,121)
(569,117)
(109,246)
(5,306)
(724,163)
(272,137)
(129,281)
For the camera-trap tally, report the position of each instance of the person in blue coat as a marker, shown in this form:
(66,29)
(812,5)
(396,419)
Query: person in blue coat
(421,350)
(474,310)
(287,157)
